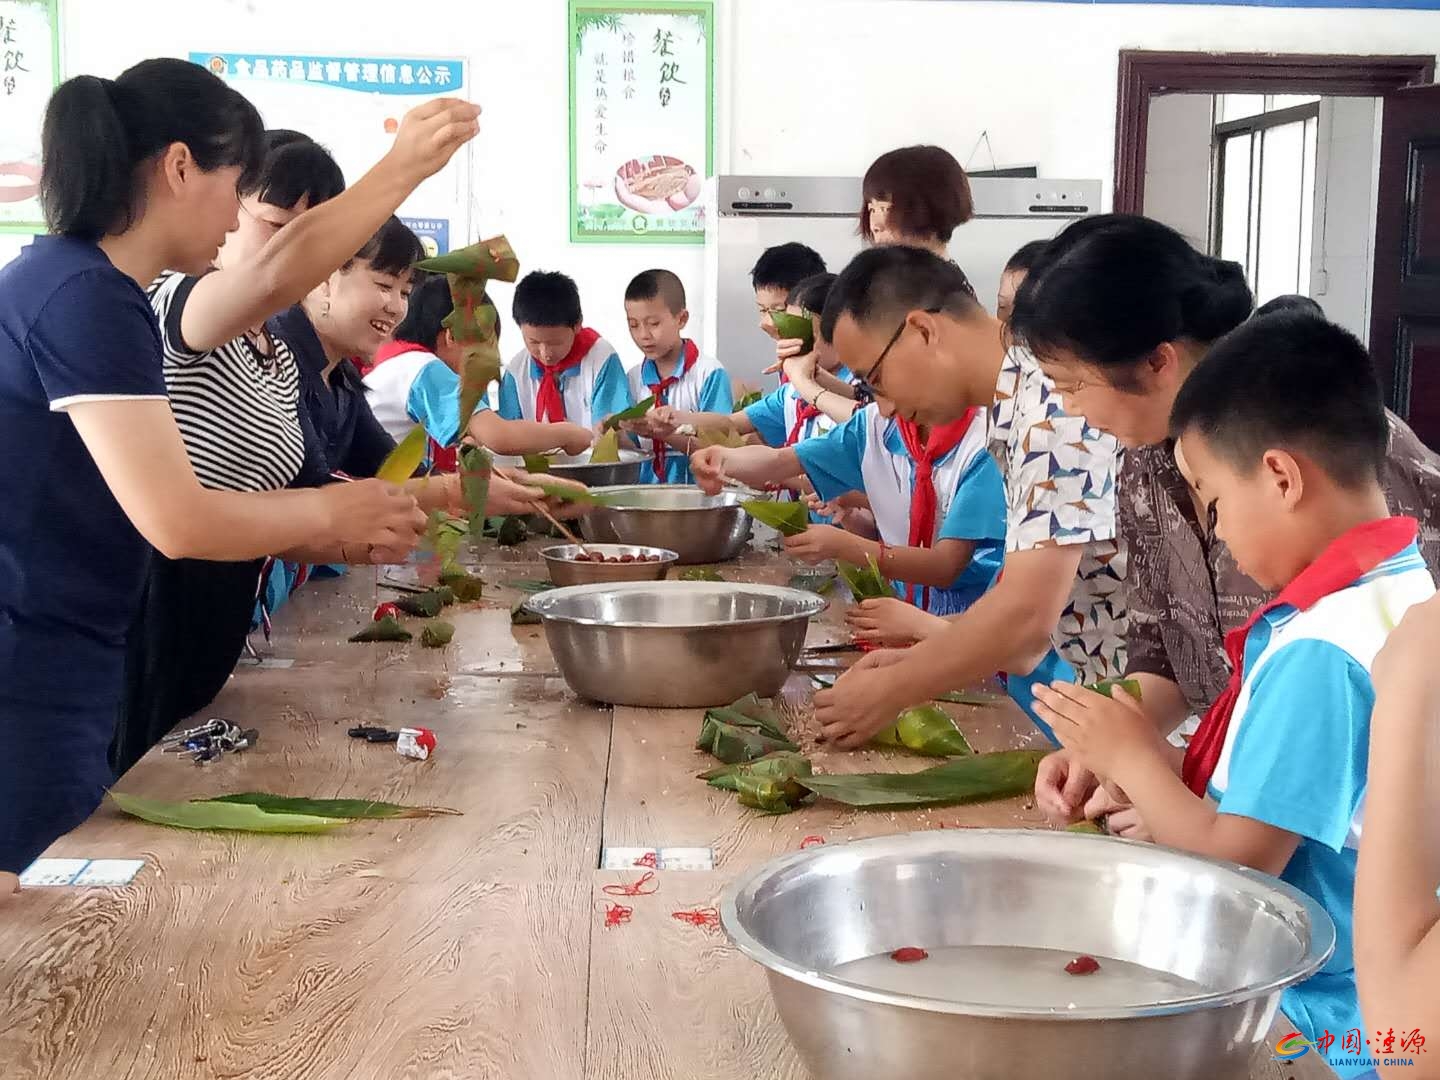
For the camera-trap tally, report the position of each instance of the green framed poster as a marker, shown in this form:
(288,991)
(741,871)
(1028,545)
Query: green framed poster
(29,72)
(642,120)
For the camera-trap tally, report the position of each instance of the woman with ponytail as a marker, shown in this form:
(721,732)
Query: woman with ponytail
(141,175)
(1118,310)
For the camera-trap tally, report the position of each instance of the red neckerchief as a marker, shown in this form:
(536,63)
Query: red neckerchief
(1349,558)
(924,502)
(804,413)
(689,354)
(549,401)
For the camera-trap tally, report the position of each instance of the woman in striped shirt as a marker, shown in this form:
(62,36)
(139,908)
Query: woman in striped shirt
(234,388)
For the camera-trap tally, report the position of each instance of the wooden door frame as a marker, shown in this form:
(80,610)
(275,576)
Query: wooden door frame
(1145,74)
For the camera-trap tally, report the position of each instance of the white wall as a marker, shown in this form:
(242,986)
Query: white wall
(803,86)
(1346,174)
(1177,164)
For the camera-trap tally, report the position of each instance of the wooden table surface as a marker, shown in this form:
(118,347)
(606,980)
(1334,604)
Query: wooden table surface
(471,946)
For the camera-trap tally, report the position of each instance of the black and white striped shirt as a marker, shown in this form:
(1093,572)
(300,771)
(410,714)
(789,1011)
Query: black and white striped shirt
(237,408)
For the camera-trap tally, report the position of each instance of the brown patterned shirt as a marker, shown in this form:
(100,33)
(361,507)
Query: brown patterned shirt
(1185,590)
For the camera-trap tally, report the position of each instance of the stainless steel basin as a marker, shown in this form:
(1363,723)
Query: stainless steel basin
(579,467)
(1243,937)
(675,644)
(699,528)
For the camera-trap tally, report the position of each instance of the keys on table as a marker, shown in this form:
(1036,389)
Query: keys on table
(210,740)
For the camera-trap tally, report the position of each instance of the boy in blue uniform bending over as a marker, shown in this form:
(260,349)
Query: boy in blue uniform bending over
(1282,433)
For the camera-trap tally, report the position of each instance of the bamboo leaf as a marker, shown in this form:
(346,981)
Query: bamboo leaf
(816,581)
(749,396)
(332,808)
(800,327)
(971,697)
(530,585)
(437,635)
(770,795)
(751,712)
(475,466)
(224,816)
(467,587)
(405,460)
(731,440)
(976,778)
(606,450)
(565,493)
(446,595)
(700,573)
(925,730)
(490,260)
(537,463)
(1105,687)
(733,744)
(634,412)
(387,629)
(788,518)
(1085,827)
(479,367)
(866,583)
(784,764)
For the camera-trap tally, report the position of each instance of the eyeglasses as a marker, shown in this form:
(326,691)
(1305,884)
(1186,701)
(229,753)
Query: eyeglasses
(867,385)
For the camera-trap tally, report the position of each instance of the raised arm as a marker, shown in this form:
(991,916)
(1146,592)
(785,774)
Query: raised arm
(226,302)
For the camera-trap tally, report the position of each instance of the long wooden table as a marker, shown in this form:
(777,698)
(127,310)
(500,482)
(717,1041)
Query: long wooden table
(472,946)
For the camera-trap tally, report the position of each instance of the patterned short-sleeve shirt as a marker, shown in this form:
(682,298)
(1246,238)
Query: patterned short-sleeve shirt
(1059,490)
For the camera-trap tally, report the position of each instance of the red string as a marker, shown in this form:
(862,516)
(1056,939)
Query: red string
(650,859)
(617,915)
(707,918)
(636,888)
(811,841)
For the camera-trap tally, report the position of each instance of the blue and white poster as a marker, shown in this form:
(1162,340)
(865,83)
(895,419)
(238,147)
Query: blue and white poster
(434,234)
(353,105)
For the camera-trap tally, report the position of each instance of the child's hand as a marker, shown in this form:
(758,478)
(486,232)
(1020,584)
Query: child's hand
(1406,664)
(1121,818)
(801,367)
(785,348)
(891,621)
(574,439)
(1107,735)
(660,422)
(708,465)
(821,542)
(1062,788)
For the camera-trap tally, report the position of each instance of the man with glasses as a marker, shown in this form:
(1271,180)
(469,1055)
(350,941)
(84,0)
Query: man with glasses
(906,324)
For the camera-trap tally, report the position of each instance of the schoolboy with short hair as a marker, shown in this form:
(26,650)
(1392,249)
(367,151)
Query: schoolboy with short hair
(778,270)
(566,373)
(415,379)
(1282,432)
(673,370)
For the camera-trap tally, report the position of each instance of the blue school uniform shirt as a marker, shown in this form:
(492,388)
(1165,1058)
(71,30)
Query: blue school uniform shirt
(866,453)
(704,388)
(592,391)
(1297,752)
(773,418)
(73,329)
(416,387)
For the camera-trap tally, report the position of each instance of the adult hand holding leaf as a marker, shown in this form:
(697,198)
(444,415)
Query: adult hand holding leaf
(925,730)
(372,513)
(787,518)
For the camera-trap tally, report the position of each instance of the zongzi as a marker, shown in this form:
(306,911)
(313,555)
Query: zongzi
(787,518)
(387,629)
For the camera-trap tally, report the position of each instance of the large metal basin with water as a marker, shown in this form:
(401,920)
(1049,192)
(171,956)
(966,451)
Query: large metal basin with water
(1243,937)
(699,528)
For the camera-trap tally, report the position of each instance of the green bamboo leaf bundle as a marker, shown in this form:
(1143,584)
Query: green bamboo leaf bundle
(732,744)
(443,537)
(748,398)
(335,808)
(606,450)
(782,764)
(976,778)
(466,586)
(800,327)
(753,712)
(404,461)
(446,595)
(634,412)
(424,605)
(866,583)
(1105,687)
(925,730)
(817,581)
(700,573)
(437,635)
(491,260)
(386,629)
(787,518)
(475,466)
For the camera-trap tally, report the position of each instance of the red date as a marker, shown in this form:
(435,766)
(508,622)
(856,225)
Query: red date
(1083,965)
(909,955)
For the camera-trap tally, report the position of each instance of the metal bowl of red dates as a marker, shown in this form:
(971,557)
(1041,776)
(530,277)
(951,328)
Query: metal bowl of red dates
(570,565)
